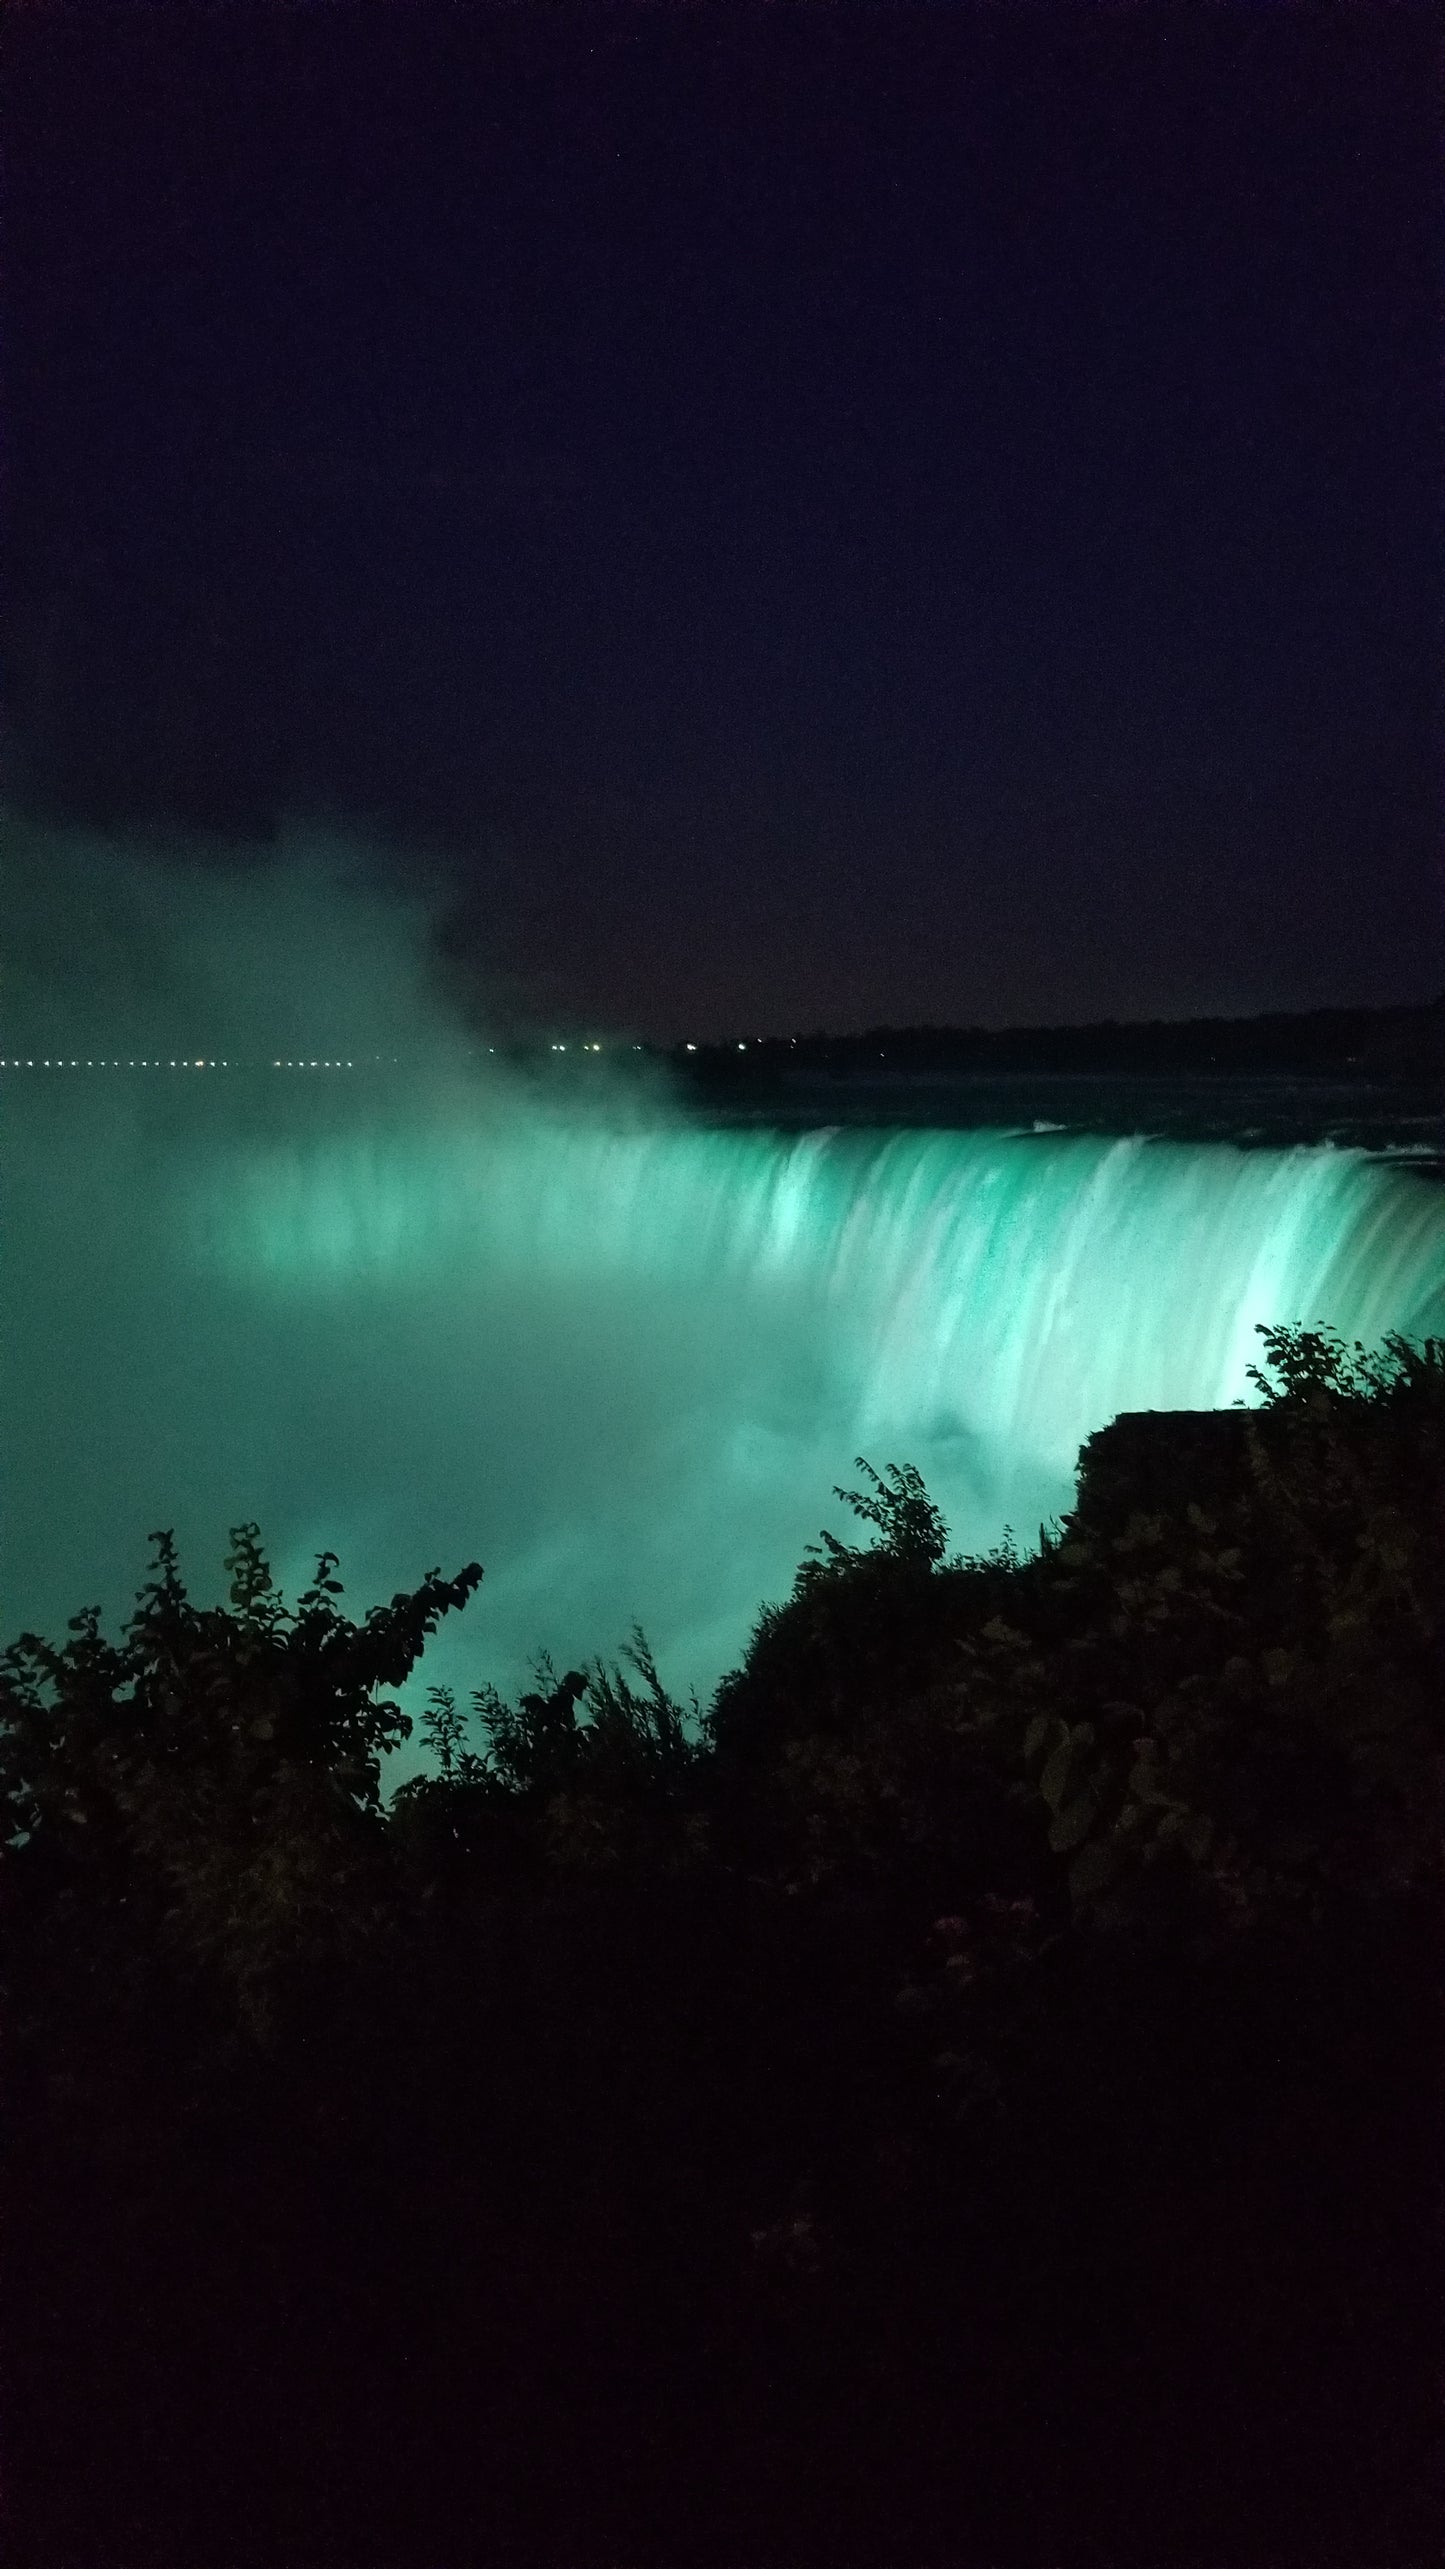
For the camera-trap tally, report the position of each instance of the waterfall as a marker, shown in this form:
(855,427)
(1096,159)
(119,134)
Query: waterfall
(671,1342)
(624,1364)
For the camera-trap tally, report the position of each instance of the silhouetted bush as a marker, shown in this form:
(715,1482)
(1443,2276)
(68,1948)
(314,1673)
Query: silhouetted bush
(972,2094)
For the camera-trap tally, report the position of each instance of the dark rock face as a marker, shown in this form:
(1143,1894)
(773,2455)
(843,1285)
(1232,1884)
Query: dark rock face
(1141,1461)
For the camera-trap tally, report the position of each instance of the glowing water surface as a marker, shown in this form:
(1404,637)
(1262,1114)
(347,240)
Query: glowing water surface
(698,1330)
(624,1365)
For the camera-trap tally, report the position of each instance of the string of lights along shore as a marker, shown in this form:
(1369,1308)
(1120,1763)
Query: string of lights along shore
(201,1062)
(209,1061)
(206,1061)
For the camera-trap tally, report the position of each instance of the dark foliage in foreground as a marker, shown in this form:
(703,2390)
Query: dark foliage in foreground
(972,2098)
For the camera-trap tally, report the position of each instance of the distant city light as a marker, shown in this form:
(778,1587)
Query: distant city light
(199,1061)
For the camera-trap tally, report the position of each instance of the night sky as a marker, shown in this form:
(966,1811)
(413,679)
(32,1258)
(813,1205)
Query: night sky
(813,516)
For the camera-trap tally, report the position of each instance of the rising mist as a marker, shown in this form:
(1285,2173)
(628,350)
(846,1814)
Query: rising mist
(418,1311)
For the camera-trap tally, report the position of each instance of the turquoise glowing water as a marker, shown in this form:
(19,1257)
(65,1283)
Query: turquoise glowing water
(1016,1288)
(625,1367)
(702,1329)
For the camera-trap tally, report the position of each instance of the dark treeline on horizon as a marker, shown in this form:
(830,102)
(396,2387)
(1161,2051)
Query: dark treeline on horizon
(1385,1045)
(1380,1043)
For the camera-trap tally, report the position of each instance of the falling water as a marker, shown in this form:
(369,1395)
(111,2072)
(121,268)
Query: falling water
(701,1329)
(624,1364)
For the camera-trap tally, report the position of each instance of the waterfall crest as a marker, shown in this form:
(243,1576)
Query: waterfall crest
(670,1342)
(622,1362)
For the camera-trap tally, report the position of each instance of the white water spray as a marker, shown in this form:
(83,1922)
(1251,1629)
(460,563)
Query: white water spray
(620,1358)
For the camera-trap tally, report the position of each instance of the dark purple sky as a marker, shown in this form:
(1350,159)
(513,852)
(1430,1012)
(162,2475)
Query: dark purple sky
(822,515)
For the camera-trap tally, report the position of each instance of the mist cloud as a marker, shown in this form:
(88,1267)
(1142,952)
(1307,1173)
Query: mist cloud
(421,1312)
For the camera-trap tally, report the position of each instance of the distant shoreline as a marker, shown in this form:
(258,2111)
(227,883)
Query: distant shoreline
(1373,1045)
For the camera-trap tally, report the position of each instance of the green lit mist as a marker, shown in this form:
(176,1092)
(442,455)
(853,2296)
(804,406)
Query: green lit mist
(621,1359)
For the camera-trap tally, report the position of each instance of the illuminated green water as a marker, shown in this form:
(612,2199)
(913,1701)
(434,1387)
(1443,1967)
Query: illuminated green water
(624,1367)
(702,1328)
(1026,1287)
